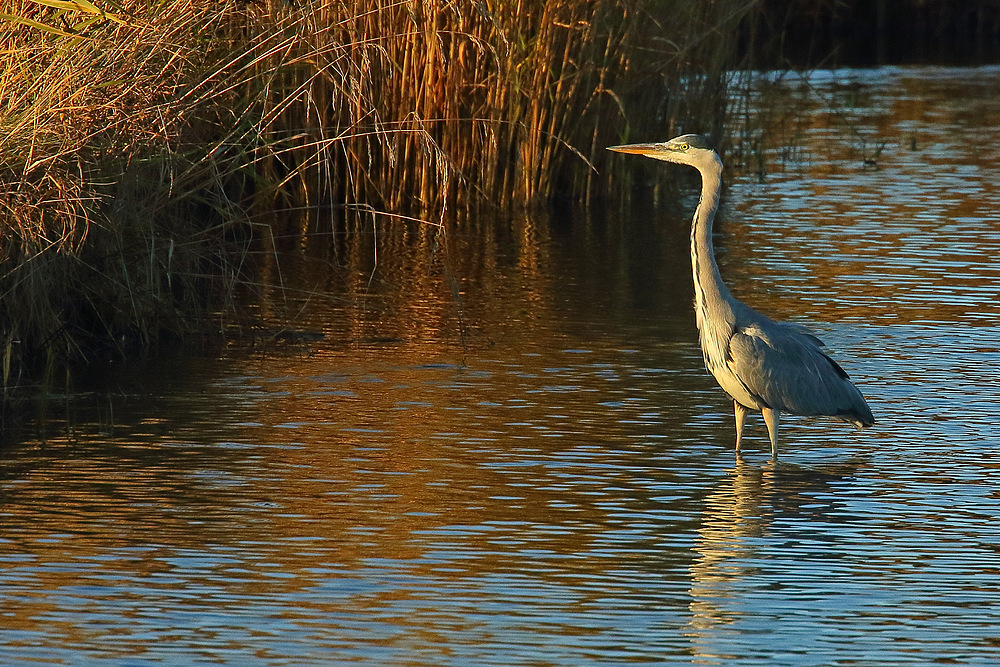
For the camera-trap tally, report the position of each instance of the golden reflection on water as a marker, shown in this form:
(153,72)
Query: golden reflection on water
(446,424)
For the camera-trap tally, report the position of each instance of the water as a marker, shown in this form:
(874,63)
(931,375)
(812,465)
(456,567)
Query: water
(539,471)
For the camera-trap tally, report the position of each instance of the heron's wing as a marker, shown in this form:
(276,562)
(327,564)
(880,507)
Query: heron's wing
(804,330)
(788,371)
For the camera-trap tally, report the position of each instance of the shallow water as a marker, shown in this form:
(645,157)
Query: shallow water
(506,450)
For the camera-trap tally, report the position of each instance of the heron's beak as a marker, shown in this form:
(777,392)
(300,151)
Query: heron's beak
(638,149)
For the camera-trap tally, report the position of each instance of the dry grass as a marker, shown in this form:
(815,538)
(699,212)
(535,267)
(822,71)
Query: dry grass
(136,147)
(97,238)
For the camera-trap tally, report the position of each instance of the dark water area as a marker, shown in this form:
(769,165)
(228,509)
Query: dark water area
(505,449)
(868,33)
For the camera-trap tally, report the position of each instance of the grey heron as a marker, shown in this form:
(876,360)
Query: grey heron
(763,365)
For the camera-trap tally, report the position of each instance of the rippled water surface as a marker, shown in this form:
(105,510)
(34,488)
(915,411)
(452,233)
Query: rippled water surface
(506,451)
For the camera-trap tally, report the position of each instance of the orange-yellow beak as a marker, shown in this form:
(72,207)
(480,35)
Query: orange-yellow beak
(638,149)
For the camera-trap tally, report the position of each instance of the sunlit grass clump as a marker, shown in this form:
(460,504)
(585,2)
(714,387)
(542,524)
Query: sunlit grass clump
(142,143)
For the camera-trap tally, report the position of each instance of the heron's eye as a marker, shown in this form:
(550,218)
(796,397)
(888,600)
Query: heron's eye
(684,147)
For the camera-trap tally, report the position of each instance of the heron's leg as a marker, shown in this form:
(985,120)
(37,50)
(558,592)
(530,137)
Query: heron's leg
(771,419)
(741,415)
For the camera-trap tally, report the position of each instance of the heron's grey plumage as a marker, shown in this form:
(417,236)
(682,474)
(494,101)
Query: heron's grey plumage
(762,364)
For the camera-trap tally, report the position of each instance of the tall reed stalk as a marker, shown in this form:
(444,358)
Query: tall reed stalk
(420,104)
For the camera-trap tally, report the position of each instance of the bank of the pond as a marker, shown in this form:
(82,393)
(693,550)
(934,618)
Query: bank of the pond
(144,148)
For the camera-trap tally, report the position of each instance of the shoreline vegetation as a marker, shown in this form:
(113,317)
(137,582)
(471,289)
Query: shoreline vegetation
(144,145)
(147,150)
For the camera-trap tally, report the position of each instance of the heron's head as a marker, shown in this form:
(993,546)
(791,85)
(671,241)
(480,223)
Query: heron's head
(690,149)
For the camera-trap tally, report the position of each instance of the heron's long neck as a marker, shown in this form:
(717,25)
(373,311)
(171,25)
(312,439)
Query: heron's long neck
(710,292)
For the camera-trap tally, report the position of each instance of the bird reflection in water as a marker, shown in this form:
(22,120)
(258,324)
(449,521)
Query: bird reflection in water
(732,545)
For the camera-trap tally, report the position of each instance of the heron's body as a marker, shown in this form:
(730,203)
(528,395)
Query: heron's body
(762,364)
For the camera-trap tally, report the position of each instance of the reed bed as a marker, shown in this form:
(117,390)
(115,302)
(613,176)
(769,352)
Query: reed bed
(142,145)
